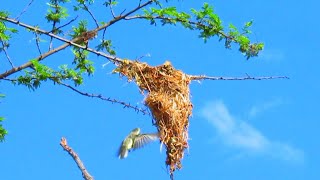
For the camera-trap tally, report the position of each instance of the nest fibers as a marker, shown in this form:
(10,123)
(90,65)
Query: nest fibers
(168,98)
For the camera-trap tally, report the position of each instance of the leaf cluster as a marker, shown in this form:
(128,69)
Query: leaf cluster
(42,72)
(110,3)
(78,32)
(3,132)
(56,12)
(242,38)
(82,5)
(208,24)
(83,64)
(5,32)
(106,45)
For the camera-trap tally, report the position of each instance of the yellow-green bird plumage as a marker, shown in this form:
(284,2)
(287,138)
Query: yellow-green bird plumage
(134,141)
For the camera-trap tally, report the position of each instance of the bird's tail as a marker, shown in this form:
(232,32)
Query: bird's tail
(123,153)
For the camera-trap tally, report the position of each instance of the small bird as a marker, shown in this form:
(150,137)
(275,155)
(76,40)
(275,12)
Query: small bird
(134,141)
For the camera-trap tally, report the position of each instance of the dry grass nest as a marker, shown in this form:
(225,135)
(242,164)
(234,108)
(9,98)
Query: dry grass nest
(168,98)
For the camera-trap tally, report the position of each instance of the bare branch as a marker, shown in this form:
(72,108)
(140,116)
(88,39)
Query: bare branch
(65,24)
(66,147)
(24,10)
(29,64)
(51,38)
(99,96)
(125,105)
(123,12)
(111,9)
(38,43)
(6,53)
(103,34)
(91,14)
(204,77)
(138,7)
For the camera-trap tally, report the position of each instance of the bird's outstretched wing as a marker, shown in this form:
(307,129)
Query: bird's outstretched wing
(144,139)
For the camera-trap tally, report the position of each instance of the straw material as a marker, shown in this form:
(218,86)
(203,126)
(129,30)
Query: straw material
(168,98)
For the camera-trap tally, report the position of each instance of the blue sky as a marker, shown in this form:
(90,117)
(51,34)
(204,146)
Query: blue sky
(239,129)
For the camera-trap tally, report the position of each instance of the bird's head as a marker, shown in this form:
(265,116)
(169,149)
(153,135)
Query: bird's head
(135,131)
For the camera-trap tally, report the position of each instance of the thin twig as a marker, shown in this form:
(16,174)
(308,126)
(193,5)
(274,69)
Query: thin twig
(24,10)
(103,34)
(76,158)
(171,176)
(6,53)
(99,96)
(123,12)
(204,77)
(91,14)
(56,29)
(51,38)
(111,9)
(57,11)
(65,24)
(143,56)
(37,42)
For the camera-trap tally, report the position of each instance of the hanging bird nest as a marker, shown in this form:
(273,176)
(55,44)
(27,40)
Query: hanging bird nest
(168,97)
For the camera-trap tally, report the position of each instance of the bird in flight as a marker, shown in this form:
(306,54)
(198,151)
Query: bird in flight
(134,141)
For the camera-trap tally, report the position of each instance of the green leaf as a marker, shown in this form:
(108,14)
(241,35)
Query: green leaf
(3,132)
(4,13)
(248,24)
(56,11)
(110,3)
(233,27)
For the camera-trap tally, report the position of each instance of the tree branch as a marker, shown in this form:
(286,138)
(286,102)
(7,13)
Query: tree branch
(113,59)
(91,14)
(204,77)
(41,31)
(38,42)
(85,173)
(29,64)
(66,24)
(199,24)
(116,19)
(24,10)
(111,9)
(99,96)
(4,46)
(68,42)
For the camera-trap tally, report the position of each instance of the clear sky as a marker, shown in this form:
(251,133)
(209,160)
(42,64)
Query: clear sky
(244,130)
